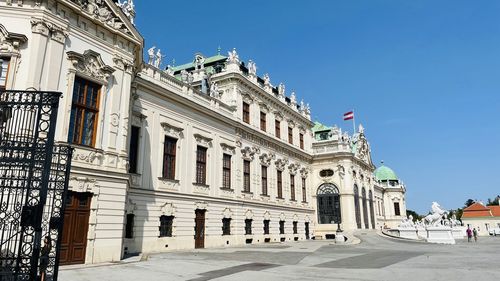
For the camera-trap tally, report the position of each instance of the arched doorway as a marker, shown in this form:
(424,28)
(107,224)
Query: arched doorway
(356,206)
(328,198)
(372,214)
(365,208)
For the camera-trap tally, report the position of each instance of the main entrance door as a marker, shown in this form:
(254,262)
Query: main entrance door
(199,229)
(328,204)
(76,224)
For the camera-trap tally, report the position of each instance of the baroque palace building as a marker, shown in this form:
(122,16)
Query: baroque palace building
(206,154)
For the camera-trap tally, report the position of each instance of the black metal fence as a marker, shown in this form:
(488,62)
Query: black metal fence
(34,177)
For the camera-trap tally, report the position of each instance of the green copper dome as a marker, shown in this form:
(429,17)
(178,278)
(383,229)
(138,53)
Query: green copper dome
(384,173)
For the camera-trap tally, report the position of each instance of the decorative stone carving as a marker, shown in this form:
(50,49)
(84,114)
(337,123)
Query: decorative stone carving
(158,58)
(232,57)
(226,148)
(201,205)
(247,98)
(115,118)
(304,172)
(167,209)
(88,157)
(267,215)
(249,214)
(227,213)
(295,217)
(293,100)
(82,184)
(123,64)
(293,168)
(172,130)
(266,158)
(281,164)
(200,139)
(281,91)
(248,153)
(436,216)
(252,68)
(130,207)
(128,9)
(278,116)
(100,10)
(214,90)
(282,216)
(151,55)
(91,64)
(199,61)
(10,42)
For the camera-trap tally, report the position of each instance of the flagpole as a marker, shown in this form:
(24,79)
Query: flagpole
(353,123)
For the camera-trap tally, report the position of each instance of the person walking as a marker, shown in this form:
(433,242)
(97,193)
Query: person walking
(475,234)
(469,234)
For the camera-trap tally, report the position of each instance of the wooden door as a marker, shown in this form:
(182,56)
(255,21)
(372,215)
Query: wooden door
(76,224)
(199,229)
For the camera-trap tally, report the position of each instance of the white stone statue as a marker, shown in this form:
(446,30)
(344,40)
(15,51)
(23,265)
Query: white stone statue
(267,80)
(307,110)
(436,216)
(281,90)
(199,61)
(361,129)
(214,90)
(159,58)
(252,68)
(169,70)
(233,57)
(190,78)
(293,99)
(407,223)
(184,76)
(151,55)
(302,105)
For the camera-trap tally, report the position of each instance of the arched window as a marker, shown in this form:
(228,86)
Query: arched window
(365,208)
(372,214)
(328,198)
(356,206)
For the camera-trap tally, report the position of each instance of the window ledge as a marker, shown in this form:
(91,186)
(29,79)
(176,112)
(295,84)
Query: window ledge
(247,192)
(305,202)
(227,189)
(201,184)
(168,180)
(280,198)
(265,195)
(293,200)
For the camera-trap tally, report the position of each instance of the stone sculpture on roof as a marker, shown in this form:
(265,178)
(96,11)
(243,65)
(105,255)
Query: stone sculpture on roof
(252,68)
(232,56)
(281,90)
(151,55)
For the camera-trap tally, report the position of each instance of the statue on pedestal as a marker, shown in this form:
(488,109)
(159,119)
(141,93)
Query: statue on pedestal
(252,68)
(151,55)
(436,216)
(233,56)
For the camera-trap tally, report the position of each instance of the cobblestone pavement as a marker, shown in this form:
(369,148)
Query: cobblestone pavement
(375,258)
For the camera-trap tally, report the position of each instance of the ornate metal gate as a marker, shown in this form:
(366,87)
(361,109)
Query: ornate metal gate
(34,177)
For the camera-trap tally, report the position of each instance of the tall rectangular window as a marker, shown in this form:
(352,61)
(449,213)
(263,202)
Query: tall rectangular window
(166,226)
(304,195)
(301,139)
(397,211)
(226,226)
(295,231)
(129,226)
(263,175)
(290,135)
(266,226)
(279,177)
(201,165)
(292,187)
(84,112)
(277,128)
(263,124)
(134,149)
(4,70)
(282,227)
(246,113)
(169,150)
(226,171)
(246,176)
(248,226)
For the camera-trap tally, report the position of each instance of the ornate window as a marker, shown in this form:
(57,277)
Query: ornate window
(356,206)
(4,70)
(226,226)
(129,226)
(134,149)
(397,211)
(295,231)
(328,198)
(169,150)
(248,226)
(280,183)
(326,173)
(292,187)
(226,171)
(166,226)
(301,140)
(246,176)
(84,112)
(290,135)
(263,174)
(263,124)
(282,227)
(277,128)
(201,165)
(246,112)
(365,207)
(266,226)
(304,195)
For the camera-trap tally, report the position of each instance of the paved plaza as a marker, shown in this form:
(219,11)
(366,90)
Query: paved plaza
(374,258)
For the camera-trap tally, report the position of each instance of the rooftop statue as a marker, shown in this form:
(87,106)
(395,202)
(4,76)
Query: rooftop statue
(199,61)
(361,129)
(233,56)
(128,9)
(214,90)
(436,216)
(302,106)
(169,70)
(281,90)
(267,79)
(158,58)
(252,68)
(184,76)
(151,55)
(293,99)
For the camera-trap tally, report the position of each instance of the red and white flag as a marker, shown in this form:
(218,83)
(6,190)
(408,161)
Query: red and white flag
(349,115)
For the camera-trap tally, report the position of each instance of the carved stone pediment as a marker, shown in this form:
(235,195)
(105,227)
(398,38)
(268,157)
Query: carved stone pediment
(227,213)
(226,148)
(291,123)
(168,209)
(266,158)
(249,214)
(278,116)
(282,216)
(10,42)
(83,184)
(91,64)
(200,139)
(264,107)
(247,98)
(172,130)
(281,164)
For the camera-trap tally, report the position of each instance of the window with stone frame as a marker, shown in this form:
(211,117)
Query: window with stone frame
(295,231)
(84,112)
(290,135)
(292,187)
(129,226)
(166,223)
(279,184)
(4,71)
(301,139)
(246,176)
(226,171)
(304,193)
(397,211)
(226,226)
(133,153)
(266,226)
(263,175)
(201,165)
(246,112)
(169,151)
(282,227)
(248,226)
(277,128)
(263,121)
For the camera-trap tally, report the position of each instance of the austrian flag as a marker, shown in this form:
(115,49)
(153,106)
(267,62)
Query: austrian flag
(349,115)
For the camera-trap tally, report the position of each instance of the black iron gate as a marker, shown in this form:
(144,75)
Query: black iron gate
(34,175)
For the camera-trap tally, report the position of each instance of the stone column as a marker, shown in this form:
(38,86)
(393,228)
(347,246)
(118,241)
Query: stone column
(39,40)
(55,54)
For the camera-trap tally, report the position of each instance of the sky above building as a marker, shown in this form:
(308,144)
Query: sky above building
(422,76)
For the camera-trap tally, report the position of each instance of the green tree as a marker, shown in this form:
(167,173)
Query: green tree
(493,202)
(469,202)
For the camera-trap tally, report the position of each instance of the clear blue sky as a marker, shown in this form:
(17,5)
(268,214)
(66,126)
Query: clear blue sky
(423,76)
